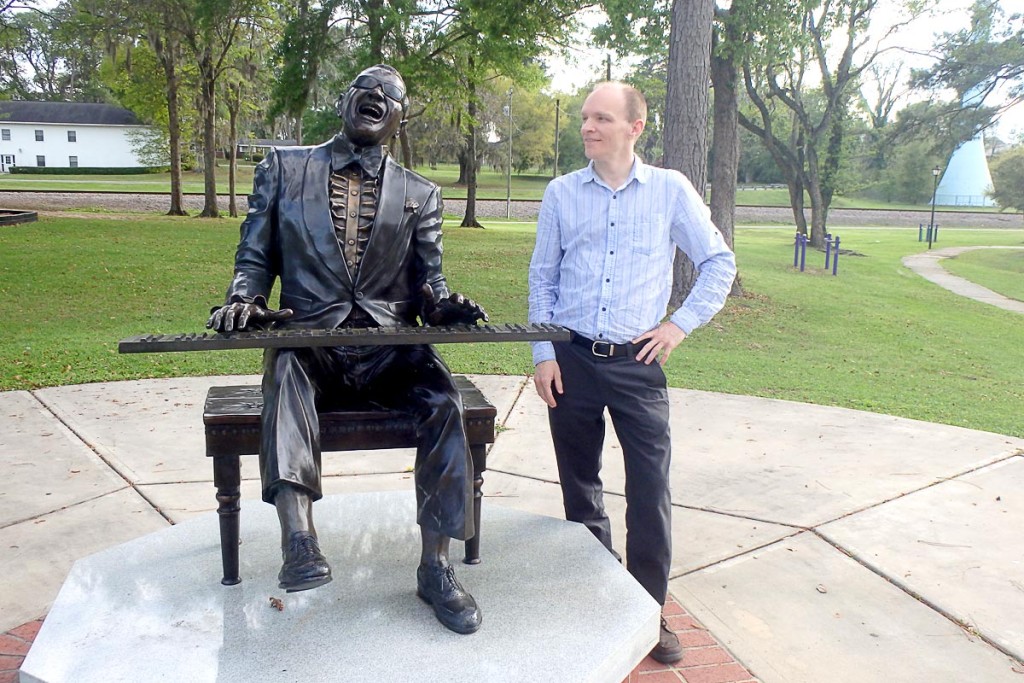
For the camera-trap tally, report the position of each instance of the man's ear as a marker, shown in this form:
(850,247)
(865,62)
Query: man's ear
(637,128)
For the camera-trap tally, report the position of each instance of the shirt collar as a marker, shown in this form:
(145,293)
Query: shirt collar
(370,159)
(639,170)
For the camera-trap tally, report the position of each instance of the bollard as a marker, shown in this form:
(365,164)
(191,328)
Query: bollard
(828,248)
(920,232)
(935,235)
(803,251)
(796,250)
(835,257)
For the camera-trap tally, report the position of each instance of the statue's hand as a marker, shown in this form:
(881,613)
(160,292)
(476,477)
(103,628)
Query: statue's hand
(455,310)
(239,316)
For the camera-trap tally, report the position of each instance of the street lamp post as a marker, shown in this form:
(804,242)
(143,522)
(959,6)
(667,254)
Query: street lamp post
(936,172)
(508,182)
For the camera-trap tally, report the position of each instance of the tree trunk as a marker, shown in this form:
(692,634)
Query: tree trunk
(725,152)
(174,135)
(469,219)
(686,147)
(234,104)
(209,108)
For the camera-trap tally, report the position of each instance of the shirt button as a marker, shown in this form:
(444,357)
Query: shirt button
(607,279)
(613,224)
(612,253)
(352,214)
(351,241)
(354,193)
(603,308)
(350,263)
(359,295)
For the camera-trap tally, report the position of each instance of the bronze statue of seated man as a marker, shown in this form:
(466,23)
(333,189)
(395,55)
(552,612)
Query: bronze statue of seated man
(355,241)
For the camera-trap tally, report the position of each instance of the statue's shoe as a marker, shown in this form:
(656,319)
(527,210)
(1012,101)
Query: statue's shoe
(454,607)
(304,566)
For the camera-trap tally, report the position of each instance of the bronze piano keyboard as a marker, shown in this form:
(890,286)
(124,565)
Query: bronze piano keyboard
(355,336)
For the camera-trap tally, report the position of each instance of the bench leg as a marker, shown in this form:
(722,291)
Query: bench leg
(227,477)
(479,453)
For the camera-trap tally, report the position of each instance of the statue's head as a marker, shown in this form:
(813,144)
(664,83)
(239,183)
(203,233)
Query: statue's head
(373,108)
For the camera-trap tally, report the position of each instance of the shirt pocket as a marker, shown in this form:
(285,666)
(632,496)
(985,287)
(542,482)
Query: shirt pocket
(649,234)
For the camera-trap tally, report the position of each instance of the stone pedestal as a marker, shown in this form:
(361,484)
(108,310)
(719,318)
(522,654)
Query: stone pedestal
(556,606)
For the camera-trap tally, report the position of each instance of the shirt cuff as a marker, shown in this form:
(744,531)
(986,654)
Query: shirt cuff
(542,351)
(685,320)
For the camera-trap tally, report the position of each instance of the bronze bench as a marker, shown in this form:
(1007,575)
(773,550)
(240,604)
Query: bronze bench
(232,420)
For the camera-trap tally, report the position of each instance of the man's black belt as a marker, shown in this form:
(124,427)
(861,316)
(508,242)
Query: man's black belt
(603,349)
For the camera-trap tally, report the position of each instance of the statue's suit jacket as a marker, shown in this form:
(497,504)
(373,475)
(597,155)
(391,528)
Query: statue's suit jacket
(288,234)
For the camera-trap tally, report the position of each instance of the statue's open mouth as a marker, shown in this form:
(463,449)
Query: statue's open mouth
(372,110)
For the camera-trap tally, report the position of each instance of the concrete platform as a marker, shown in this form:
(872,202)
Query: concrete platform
(556,605)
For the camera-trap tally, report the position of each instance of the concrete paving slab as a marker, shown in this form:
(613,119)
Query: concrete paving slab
(43,465)
(802,464)
(150,431)
(139,611)
(801,611)
(957,544)
(37,554)
(784,462)
(698,538)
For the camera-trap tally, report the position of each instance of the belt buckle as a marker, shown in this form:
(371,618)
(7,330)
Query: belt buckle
(606,354)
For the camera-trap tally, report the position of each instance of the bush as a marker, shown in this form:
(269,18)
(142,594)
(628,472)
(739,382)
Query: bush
(88,170)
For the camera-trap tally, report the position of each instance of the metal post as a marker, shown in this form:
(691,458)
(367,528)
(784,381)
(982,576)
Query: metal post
(835,257)
(803,251)
(828,248)
(920,232)
(796,250)
(936,172)
(508,182)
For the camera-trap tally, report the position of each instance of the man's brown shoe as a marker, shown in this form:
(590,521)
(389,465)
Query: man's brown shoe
(668,650)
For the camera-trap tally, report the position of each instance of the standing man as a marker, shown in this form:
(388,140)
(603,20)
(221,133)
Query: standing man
(355,241)
(602,267)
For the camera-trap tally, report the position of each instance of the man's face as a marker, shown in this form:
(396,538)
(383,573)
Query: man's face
(372,108)
(608,134)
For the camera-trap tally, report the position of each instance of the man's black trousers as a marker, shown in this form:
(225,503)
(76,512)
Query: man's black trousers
(637,401)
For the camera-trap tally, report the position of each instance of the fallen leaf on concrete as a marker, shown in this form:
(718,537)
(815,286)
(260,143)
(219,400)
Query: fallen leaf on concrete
(821,589)
(276,603)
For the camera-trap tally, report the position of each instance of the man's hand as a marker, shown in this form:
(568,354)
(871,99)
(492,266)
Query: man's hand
(547,377)
(239,316)
(660,343)
(455,310)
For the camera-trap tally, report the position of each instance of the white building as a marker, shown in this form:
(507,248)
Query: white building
(66,134)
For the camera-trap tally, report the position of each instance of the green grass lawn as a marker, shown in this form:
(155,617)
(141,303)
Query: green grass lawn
(877,337)
(1001,270)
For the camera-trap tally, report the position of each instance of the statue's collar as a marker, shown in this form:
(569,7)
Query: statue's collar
(344,153)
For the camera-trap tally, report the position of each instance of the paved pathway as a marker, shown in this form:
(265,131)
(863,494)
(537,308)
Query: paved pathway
(811,543)
(926,264)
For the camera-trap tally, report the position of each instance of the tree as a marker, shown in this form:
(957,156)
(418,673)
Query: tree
(210,28)
(686,142)
(977,60)
(831,41)
(1008,179)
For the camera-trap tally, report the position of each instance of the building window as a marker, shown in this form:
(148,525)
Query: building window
(73,162)
(40,160)
(5,133)
(72,136)
(39,136)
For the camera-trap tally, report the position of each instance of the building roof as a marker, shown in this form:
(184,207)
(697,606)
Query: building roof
(16,111)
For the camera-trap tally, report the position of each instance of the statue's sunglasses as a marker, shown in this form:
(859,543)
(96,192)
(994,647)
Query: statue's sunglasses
(367,82)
